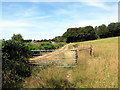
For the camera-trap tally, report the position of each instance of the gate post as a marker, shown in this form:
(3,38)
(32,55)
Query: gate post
(76,56)
(91,50)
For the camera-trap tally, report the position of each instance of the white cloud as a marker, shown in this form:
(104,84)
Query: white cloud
(98,3)
(62,11)
(13,24)
(33,28)
(35,18)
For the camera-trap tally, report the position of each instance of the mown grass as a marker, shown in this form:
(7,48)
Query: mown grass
(97,71)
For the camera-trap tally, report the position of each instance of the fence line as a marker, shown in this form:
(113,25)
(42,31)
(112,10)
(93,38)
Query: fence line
(76,54)
(90,52)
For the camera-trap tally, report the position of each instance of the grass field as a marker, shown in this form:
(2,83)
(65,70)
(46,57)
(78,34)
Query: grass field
(97,71)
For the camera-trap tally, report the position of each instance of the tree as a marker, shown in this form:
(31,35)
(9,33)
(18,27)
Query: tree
(17,37)
(80,34)
(102,31)
(29,40)
(71,35)
(59,39)
(88,33)
(114,29)
(71,32)
(117,29)
(96,31)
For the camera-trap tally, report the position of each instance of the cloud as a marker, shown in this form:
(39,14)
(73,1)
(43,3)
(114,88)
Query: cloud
(21,26)
(13,24)
(28,11)
(62,11)
(35,18)
(97,3)
(33,26)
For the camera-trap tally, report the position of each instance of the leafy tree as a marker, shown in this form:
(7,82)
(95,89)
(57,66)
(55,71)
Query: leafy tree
(117,29)
(96,32)
(102,31)
(80,34)
(114,29)
(17,37)
(71,32)
(71,35)
(59,39)
(88,33)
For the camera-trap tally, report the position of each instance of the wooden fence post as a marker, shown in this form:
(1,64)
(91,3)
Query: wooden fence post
(91,50)
(76,56)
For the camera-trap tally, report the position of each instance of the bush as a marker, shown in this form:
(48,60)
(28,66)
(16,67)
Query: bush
(15,65)
(32,46)
(58,45)
(46,46)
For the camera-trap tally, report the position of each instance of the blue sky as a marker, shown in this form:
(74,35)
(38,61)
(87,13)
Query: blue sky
(45,20)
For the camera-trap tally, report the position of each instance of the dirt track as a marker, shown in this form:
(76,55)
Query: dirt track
(50,54)
(54,54)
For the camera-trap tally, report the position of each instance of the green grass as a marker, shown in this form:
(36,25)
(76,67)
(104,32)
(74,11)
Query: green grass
(97,71)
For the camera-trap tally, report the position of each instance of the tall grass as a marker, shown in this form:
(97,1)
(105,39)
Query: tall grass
(100,70)
(97,71)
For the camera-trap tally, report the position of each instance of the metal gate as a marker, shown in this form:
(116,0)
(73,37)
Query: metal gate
(59,58)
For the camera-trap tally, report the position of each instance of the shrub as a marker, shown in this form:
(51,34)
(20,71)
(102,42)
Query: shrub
(46,46)
(32,46)
(15,66)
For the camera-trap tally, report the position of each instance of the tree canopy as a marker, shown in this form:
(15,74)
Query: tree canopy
(80,34)
(89,33)
(17,37)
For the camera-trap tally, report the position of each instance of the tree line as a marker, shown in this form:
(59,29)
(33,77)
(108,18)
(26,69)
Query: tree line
(89,33)
(36,41)
(84,33)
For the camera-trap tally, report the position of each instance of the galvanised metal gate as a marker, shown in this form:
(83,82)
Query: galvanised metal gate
(65,58)
(59,58)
